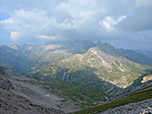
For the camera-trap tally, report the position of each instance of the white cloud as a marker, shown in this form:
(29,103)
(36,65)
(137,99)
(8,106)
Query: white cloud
(109,22)
(10,24)
(14,35)
(47,37)
(7,21)
(80,13)
(29,23)
(76,19)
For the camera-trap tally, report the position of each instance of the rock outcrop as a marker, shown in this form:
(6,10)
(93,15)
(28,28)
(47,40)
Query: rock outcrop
(142,107)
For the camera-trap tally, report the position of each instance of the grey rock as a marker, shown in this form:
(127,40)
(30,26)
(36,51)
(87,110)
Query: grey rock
(142,107)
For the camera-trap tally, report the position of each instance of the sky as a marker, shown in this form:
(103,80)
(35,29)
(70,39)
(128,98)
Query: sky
(123,23)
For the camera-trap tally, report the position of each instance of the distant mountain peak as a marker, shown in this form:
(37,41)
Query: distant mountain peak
(16,47)
(107,48)
(3,46)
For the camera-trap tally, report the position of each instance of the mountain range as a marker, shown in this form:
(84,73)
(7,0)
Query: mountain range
(89,68)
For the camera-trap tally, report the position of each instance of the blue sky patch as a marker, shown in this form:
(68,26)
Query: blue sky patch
(4,16)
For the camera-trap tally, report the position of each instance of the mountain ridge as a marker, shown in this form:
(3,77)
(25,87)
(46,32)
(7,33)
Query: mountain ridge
(101,60)
(77,72)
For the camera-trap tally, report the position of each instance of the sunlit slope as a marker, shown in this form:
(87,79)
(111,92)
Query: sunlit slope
(96,69)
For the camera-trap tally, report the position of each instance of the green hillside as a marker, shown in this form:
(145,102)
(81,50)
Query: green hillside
(134,97)
(96,69)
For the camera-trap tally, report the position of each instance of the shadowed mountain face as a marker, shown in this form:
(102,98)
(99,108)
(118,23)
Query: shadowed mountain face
(145,52)
(14,58)
(81,63)
(136,56)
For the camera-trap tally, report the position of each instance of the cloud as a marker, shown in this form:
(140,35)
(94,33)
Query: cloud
(109,22)
(105,20)
(47,37)
(14,35)
(140,21)
(143,3)
(7,21)
(29,23)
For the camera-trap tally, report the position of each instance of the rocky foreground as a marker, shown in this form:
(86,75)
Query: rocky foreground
(18,97)
(11,103)
(142,107)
